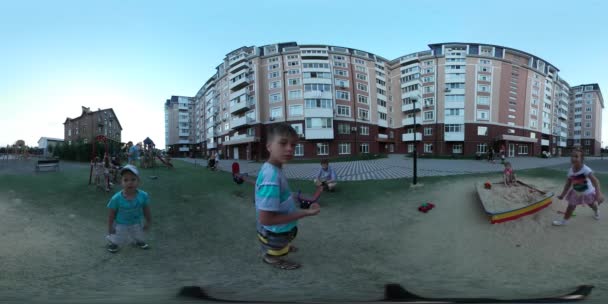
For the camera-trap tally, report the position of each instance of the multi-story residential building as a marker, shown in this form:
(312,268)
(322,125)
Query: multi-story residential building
(465,98)
(180,131)
(90,124)
(585,129)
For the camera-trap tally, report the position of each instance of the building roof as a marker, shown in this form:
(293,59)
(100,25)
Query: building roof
(87,111)
(596,87)
(50,139)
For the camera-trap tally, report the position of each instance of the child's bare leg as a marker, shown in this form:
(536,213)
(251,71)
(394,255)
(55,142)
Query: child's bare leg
(569,212)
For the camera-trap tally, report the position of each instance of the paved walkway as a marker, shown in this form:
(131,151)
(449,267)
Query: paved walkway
(398,166)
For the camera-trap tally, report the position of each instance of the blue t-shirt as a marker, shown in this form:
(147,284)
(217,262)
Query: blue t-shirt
(129,212)
(134,153)
(272,193)
(329,174)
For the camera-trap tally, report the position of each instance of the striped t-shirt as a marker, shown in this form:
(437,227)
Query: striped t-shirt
(580,180)
(272,193)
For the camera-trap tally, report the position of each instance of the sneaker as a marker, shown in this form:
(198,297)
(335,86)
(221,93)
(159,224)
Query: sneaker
(560,223)
(596,215)
(113,248)
(142,245)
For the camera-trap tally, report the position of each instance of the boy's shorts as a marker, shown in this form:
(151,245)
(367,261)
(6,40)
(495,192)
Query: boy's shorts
(126,234)
(275,244)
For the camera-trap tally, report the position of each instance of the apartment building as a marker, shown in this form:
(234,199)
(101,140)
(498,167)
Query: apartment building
(585,128)
(90,124)
(180,130)
(455,98)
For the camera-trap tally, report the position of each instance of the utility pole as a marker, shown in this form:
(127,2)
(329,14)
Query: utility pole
(415,148)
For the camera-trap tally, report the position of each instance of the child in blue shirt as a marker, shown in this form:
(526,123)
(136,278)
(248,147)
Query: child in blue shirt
(276,211)
(326,177)
(127,210)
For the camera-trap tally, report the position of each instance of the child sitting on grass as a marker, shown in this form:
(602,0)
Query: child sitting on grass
(326,177)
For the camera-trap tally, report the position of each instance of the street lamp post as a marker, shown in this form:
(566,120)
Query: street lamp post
(415,149)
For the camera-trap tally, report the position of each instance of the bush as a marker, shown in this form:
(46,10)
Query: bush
(83,152)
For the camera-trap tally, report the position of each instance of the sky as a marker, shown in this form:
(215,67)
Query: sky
(56,56)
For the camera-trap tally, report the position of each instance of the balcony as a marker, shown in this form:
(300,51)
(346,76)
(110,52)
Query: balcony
(241,104)
(239,83)
(563,116)
(212,145)
(450,78)
(454,136)
(382,136)
(382,123)
(544,142)
(238,67)
(322,133)
(454,119)
(410,136)
(238,93)
(562,143)
(241,121)
(454,91)
(318,94)
(237,59)
(319,112)
(410,121)
(317,80)
(183,134)
(184,149)
(412,95)
(240,139)
(563,134)
(546,131)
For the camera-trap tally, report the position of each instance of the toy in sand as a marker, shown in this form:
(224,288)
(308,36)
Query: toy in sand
(504,203)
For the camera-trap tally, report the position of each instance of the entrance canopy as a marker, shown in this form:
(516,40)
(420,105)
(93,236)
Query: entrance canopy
(517,138)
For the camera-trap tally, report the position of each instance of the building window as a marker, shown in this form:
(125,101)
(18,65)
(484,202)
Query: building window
(364,130)
(293,81)
(343,111)
(588,109)
(483,115)
(482,131)
(276,112)
(293,63)
(275,84)
(340,72)
(428,131)
(533,124)
(453,128)
(342,83)
(587,142)
(322,149)
(293,71)
(363,114)
(588,117)
(344,148)
(299,151)
(318,103)
(295,94)
(342,95)
(587,133)
(428,148)
(587,125)
(482,77)
(297,127)
(276,97)
(483,100)
(361,76)
(318,123)
(361,87)
(457,148)
(482,148)
(523,149)
(364,148)
(362,99)
(428,102)
(428,115)
(483,88)
(296,110)
(273,75)
(340,64)
(454,98)
(428,89)
(454,112)
(359,61)
(343,129)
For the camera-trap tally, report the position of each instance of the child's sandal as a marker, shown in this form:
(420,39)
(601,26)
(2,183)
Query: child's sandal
(282,264)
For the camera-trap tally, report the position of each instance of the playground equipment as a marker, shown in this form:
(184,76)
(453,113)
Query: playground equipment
(151,154)
(97,166)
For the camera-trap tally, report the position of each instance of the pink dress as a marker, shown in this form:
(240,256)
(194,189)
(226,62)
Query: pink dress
(582,191)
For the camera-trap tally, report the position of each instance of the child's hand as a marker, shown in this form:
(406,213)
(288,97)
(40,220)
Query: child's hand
(313,210)
(600,198)
(315,206)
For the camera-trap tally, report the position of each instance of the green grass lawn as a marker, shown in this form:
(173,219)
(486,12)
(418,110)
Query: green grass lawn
(203,233)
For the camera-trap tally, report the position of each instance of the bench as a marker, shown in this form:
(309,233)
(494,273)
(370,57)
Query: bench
(47,163)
